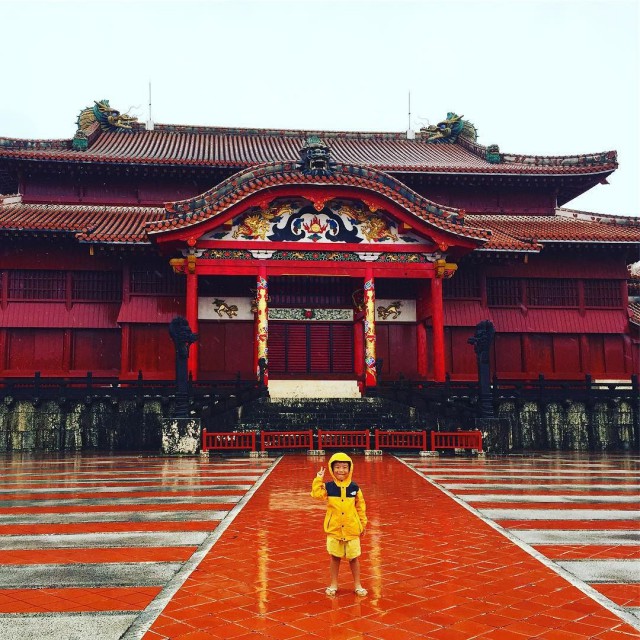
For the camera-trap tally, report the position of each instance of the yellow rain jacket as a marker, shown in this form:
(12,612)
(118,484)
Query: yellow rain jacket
(346,516)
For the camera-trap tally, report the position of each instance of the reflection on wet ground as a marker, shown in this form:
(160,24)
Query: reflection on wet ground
(104,547)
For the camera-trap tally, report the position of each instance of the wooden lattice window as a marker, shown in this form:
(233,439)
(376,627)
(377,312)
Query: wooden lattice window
(36,284)
(602,293)
(99,286)
(463,285)
(161,281)
(504,292)
(552,292)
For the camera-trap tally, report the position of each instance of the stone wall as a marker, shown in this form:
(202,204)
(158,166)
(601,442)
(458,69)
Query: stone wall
(77,426)
(136,425)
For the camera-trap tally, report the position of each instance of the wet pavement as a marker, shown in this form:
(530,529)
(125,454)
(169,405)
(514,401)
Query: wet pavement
(107,547)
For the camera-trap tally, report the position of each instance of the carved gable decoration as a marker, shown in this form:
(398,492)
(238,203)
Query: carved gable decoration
(315,158)
(297,220)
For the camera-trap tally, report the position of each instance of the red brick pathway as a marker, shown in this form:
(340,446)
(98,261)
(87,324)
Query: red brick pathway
(433,570)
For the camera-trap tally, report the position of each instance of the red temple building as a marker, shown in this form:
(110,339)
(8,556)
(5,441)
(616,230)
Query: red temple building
(332,255)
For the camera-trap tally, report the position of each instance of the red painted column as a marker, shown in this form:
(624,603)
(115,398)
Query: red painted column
(437,308)
(192,315)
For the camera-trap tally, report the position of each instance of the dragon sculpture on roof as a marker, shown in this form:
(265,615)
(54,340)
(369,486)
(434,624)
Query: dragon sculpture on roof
(449,130)
(110,119)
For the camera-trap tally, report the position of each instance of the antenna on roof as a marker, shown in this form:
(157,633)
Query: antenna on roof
(150,120)
(411,134)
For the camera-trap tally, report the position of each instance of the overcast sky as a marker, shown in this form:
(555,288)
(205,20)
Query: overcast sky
(546,77)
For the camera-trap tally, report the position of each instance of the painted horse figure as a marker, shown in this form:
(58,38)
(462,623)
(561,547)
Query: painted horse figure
(231,310)
(393,309)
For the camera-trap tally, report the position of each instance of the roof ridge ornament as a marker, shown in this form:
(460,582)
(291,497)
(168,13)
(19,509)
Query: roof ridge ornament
(315,158)
(449,130)
(104,115)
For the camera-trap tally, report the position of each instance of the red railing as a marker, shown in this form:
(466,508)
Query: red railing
(456,440)
(286,440)
(346,439)
(227,441)
(401,440)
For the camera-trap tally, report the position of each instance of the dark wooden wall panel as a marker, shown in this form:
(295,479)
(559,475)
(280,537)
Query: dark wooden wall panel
(402,350)
(463,357)
(96,351)
(596,355)
(36,350)
(566,355)
(614,354)
(212,347)
(151,350)
(540,355)
(239,345)
(508,354)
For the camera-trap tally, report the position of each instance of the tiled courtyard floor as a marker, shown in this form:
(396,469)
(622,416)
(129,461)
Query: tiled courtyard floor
(104,547)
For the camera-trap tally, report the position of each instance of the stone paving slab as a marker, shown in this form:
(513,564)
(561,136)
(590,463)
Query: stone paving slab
(87,575)
(138,500)
(103,540)
(597,536)
(594,571)
(104,626)
(112,516)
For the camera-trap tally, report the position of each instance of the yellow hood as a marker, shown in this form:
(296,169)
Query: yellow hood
(341,457)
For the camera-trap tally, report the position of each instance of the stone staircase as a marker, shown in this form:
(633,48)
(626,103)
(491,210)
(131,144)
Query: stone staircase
(330,414)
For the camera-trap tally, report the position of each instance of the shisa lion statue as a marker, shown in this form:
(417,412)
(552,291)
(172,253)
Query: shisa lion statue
(110,119)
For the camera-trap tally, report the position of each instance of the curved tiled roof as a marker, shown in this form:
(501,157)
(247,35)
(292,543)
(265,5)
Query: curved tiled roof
(129,225)
(245,183)
(558,228)
(240,148)
(110,224)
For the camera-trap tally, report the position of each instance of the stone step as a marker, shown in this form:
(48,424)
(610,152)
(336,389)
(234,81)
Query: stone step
(304,389)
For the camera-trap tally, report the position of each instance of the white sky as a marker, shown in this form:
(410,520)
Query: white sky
(546,77)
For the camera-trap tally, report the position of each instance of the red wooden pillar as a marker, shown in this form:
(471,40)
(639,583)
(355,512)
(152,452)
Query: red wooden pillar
(192,315)
(437,308)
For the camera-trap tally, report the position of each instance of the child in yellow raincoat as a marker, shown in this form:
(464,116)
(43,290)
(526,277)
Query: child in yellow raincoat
(345,520)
